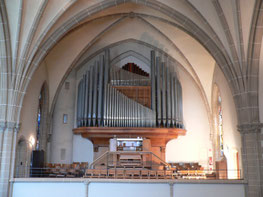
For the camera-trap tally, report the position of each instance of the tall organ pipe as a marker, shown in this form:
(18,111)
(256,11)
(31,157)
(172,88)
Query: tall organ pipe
(106,80)
(158,101)
(90,96)
(168,99)
(86,97)
(172,100)
(153,89)
(100,91)
(175,100)
(163,94)
(180,105)
(79,105)
(95,95)
(82,101)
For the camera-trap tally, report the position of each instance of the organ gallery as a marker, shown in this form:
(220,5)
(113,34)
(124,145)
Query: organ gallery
(128,102)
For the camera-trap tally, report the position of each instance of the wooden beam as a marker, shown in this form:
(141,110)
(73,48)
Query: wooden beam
(101,135)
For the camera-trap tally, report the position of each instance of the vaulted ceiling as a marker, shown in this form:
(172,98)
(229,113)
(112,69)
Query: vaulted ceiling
(198,34)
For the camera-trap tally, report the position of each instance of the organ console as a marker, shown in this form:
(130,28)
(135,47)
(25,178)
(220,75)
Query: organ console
(128,102)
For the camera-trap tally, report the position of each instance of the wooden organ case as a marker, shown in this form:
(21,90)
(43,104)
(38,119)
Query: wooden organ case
(128,102)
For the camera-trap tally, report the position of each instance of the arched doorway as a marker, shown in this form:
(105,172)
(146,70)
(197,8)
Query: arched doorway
(22,158)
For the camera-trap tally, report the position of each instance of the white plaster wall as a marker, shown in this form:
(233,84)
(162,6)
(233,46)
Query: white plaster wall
(194,146)
(72,189)
(62,134)
(232,138)
(30,104)
(82,149)
(129,190)
(43,189)
(208,190)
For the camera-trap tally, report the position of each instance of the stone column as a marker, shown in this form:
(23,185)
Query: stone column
(251,156)
(171,184)
(113,148)
(87,187)
(2,128)
(7,161)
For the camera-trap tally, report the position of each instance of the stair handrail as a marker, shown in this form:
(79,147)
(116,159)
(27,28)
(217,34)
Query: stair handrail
(142,152)
(99,158)
(130,152)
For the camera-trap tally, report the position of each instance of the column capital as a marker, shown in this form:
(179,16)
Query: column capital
(12,126)
(2,126)
(249,128)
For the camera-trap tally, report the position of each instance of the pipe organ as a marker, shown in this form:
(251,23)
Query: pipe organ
(110,96)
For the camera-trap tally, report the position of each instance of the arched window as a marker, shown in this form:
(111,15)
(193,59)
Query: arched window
(218,124)
(41,131)
(39,116)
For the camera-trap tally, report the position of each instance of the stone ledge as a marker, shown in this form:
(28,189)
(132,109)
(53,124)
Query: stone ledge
(94,180)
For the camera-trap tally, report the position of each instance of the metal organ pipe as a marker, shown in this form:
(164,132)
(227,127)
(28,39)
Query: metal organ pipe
(82,101)
(168,99)
(158,91)
(180,106)
(79,106)
(106,81)
(163,95)
(90,95)
(100,91)
(86,97)
(103,99)
(95,93)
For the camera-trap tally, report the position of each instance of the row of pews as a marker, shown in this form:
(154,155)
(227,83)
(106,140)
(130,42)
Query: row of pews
(190,171)
(80,169)
(76,169)
(128,173)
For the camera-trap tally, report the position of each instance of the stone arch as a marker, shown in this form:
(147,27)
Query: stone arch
(134,56)
(5,62)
